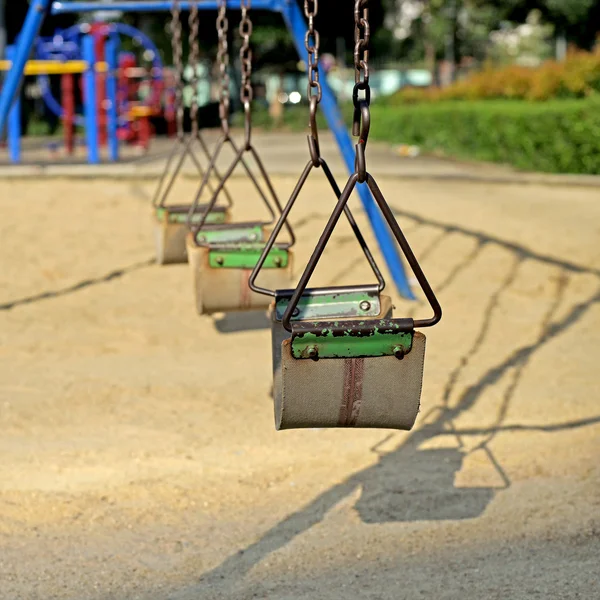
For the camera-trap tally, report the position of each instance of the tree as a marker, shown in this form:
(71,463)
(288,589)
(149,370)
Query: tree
(569,11)
(433,30)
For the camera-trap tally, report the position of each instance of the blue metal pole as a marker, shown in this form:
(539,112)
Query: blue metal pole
(14,120)
(90,105)
(112,51)
(12,84)
(59,8)
(389,248)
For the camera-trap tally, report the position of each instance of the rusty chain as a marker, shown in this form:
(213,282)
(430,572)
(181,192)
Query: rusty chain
(194,21)
(246,93)
(362,114)
(362,38)
(312,42)
(223,61)
(176,42)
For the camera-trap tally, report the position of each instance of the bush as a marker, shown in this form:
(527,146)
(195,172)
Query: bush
(560,136)
(576,77)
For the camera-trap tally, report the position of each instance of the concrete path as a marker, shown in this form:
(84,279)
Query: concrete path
(285,153)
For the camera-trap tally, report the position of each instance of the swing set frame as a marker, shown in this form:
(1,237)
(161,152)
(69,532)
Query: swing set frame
(296,24)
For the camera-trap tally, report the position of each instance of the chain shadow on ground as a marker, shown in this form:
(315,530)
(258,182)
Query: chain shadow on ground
(80,285)
(407,484)
(385,485)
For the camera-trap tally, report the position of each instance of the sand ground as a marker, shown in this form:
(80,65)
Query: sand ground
(138,457)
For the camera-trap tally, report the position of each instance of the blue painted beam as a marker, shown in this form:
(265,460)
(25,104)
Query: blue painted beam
(389,248)
(90,104)
(14,78)
(14,120)
(112,123)
(59,8)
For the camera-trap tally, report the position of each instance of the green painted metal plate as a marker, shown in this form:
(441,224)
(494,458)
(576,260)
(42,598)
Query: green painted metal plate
(231,235)
(181,217)
(352,339)
(246,256)
(341,304)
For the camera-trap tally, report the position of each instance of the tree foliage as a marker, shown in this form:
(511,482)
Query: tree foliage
(454,28)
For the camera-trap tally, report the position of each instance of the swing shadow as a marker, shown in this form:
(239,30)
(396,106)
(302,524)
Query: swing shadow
(411,484)
(81,285)
(480,237)
(238,322)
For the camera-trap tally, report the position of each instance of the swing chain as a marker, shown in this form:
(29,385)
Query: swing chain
(312,42)
(362,39)
(223,60)
(362,114)
(194,21)
(246,92)
(178,63)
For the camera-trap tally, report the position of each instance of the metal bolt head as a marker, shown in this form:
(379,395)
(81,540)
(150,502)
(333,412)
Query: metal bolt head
(364,305)
(399,352)
(277,262)
(253,237)
(313,352)
(220,261)
(202,239)
(296,312)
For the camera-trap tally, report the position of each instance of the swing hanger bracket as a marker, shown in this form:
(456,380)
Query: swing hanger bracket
(343,301)
(352,339)
(362,122)
(313,138)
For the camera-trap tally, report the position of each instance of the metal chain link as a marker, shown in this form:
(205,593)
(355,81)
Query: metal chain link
(176,42)
(362,38)
(312,42)
(362,114)
(223,60)
(246,92)
(194,21)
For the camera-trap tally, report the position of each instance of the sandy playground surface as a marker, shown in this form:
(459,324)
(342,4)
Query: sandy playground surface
(138,457)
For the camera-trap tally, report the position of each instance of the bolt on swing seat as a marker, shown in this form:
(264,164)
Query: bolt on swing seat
(171,220)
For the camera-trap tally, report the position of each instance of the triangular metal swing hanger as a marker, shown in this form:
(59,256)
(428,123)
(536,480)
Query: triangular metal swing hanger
(183,147)
(362,175)
(273,204)
(181,144)
(316,161)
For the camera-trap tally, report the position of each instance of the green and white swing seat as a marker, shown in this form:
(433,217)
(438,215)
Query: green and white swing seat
(340,365)
(339,358)
(171,229)
(353,304)
(350,373)
(222,258)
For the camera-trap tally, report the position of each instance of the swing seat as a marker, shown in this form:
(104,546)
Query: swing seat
(348,303)
(351,373)
(171,229)
(221,271)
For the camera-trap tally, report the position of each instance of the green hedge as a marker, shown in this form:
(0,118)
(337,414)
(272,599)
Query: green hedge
(559,136)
